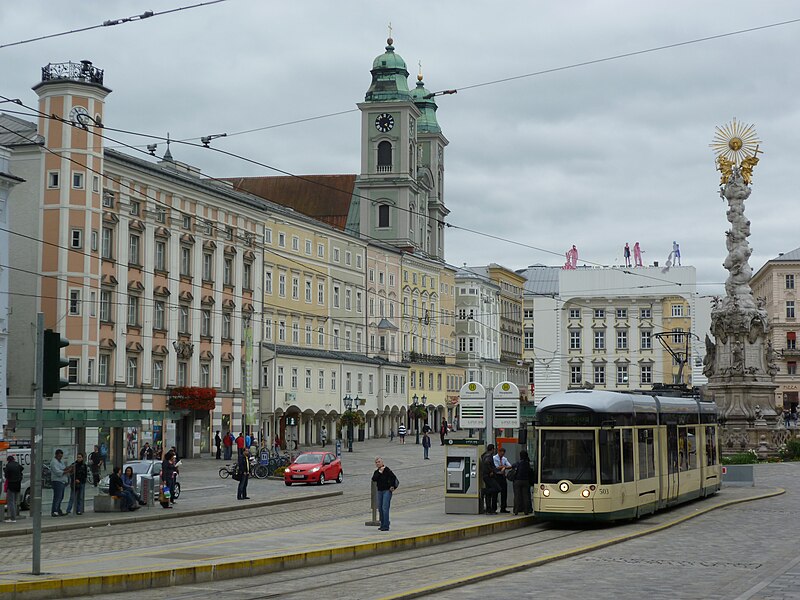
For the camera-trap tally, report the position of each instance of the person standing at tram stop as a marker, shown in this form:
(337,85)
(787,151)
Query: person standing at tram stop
(491,486)
(78,485)
(443,430)
(227,442)
(168,474)
(401,433)
(386,482)
(240,443)
(218,444)
(95,458)
(59,477)
(501,465)
(243,470)
(12,474)
(426,444)
(523,480)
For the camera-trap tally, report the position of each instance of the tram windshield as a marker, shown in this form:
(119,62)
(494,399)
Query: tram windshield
(567,455)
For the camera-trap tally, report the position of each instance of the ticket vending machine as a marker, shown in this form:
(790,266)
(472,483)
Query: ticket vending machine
(462,491)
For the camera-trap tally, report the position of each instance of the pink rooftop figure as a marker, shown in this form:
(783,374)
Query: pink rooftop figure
(572,258)
(637,255)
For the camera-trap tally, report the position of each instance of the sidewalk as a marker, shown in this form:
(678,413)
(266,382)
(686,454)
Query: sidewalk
(415,523)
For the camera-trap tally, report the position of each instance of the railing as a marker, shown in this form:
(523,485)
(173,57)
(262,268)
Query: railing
(430,359)
(82,71)
(384,168)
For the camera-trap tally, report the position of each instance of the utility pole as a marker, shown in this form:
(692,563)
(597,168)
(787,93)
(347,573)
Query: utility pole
(489,417)
(37,448)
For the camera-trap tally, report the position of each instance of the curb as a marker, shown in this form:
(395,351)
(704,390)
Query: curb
(105,584)
(95,522)
(543,560)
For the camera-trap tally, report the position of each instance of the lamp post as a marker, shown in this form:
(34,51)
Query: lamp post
(348,403)
(356,403)
(415,399)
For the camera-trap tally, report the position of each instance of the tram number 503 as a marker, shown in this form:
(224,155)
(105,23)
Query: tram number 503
(602,491)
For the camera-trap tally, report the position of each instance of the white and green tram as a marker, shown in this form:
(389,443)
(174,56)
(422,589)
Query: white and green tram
(603,456)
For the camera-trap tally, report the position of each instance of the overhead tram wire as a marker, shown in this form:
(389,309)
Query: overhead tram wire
(112,22)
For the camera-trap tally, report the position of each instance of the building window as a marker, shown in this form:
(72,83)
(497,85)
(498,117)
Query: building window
(790,282)
(229,232)
(186,261)
(336,296)
(76,238)
(646,374)
(529,340)
(282,285)
(225,378)
(295,288)
(295,333)
(159,309)
(226,326)
(622,339)
(599,375)
(791,340)
(268,282)
(227,271)
(281,239)
(205,325)
(160,256)
(646,339)
(158,374)
(187,222)
(108,243)
(600,340)
(348,299)
(320,292)
(791,368)
(281,331)
(348,258)
(53,179)
(133,250)
(105,305)
(94,241)
(77,181)
(294,378)
(383,215)
(622,313)
(575,339)
(75,302)
(295,243)
(320,337)
(333,381)
(103,369)
(308,379)
(72,370)
(308,247)
(133,311)
(645,313)
(161,215)
(790,309)
(336,255)
(677,310)
(599,313)
(133,371)
(384,157)
(205,375)
(247,276)
(622,374)
(320,250)
(677,335)
(183,319)
(133,208)
(574,313)
(335,338)
(575,374)
(309,334)
(268,329)
(208,266)
(183,373)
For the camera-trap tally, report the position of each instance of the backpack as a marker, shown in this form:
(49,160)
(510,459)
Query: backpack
(396,482)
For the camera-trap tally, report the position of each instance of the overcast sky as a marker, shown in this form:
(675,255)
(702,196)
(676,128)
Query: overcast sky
(594,156)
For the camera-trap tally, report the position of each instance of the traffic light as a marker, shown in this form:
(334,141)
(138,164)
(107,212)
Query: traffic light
(53,363)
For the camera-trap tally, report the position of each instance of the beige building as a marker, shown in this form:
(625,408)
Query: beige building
(776,281)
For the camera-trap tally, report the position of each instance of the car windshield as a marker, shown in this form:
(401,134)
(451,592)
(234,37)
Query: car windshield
(138,468)
(308,459)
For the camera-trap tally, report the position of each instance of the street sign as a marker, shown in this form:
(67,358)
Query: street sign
(505,408)
(473,406)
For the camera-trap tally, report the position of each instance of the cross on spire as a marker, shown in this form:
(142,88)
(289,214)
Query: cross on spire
(390,29)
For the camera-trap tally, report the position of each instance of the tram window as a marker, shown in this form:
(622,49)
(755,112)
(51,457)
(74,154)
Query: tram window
(711,446)
(672,449)
(683,461)
(627,455)
(567,455)
(691,447)
(647,455)
(609,457)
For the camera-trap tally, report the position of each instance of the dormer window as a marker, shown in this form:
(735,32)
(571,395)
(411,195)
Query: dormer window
(384,157)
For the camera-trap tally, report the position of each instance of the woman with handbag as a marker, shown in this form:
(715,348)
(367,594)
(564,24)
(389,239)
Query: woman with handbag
(523,479)
(167,481)
(242,475)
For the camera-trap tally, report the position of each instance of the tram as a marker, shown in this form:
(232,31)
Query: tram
(605,456)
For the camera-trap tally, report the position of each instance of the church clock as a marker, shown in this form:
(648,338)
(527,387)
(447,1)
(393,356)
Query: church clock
(384,122)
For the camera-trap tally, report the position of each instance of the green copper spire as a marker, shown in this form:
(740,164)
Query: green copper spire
(389,77)
(427,122)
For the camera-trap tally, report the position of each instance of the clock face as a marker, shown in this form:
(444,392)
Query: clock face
(384,122)
(75,116)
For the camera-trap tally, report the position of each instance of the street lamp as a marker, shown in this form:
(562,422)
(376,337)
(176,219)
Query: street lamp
(415,399)
(348,403)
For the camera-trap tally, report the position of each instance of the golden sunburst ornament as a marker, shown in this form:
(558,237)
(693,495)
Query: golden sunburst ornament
(735,141)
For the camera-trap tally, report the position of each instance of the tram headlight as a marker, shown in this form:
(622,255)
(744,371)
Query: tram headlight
(585,493)
(546,493)
(564,487)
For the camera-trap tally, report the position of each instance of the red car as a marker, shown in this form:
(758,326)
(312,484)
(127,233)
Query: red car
(314,467)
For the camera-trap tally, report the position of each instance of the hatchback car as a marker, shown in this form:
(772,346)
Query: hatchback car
(142,468)
(314,467)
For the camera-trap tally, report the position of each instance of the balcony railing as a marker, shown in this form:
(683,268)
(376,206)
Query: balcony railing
(82,71)
(428,359)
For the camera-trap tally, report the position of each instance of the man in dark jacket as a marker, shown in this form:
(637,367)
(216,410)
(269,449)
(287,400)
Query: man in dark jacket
(95,458)
(218,444)
(13,475)
(117,489)
(243,472)
(80,474)
(491,486)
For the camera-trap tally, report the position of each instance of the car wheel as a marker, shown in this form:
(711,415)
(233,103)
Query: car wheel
(340,478)
(288,483)
(321,479)
(224,473)
(26,500)
(176,493)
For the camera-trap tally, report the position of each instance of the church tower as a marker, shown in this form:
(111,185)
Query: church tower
(398,175)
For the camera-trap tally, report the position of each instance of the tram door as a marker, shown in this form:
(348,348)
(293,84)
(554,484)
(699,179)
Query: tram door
(672,463)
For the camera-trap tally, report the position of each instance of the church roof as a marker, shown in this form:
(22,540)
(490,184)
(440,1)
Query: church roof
(389,77)
(427,122)
(324,197)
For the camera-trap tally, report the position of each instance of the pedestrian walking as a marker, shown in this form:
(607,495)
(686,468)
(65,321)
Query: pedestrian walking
(443,430)
(323,435)
(490,485)
(146,452)
(426,444)
(501,465)
(524,477)
(95,458)
(391,434)
(80,474)
(12,473)
(401,433)
(386,482)
(104,455)
(243,474)
(218,444)
(59,478)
